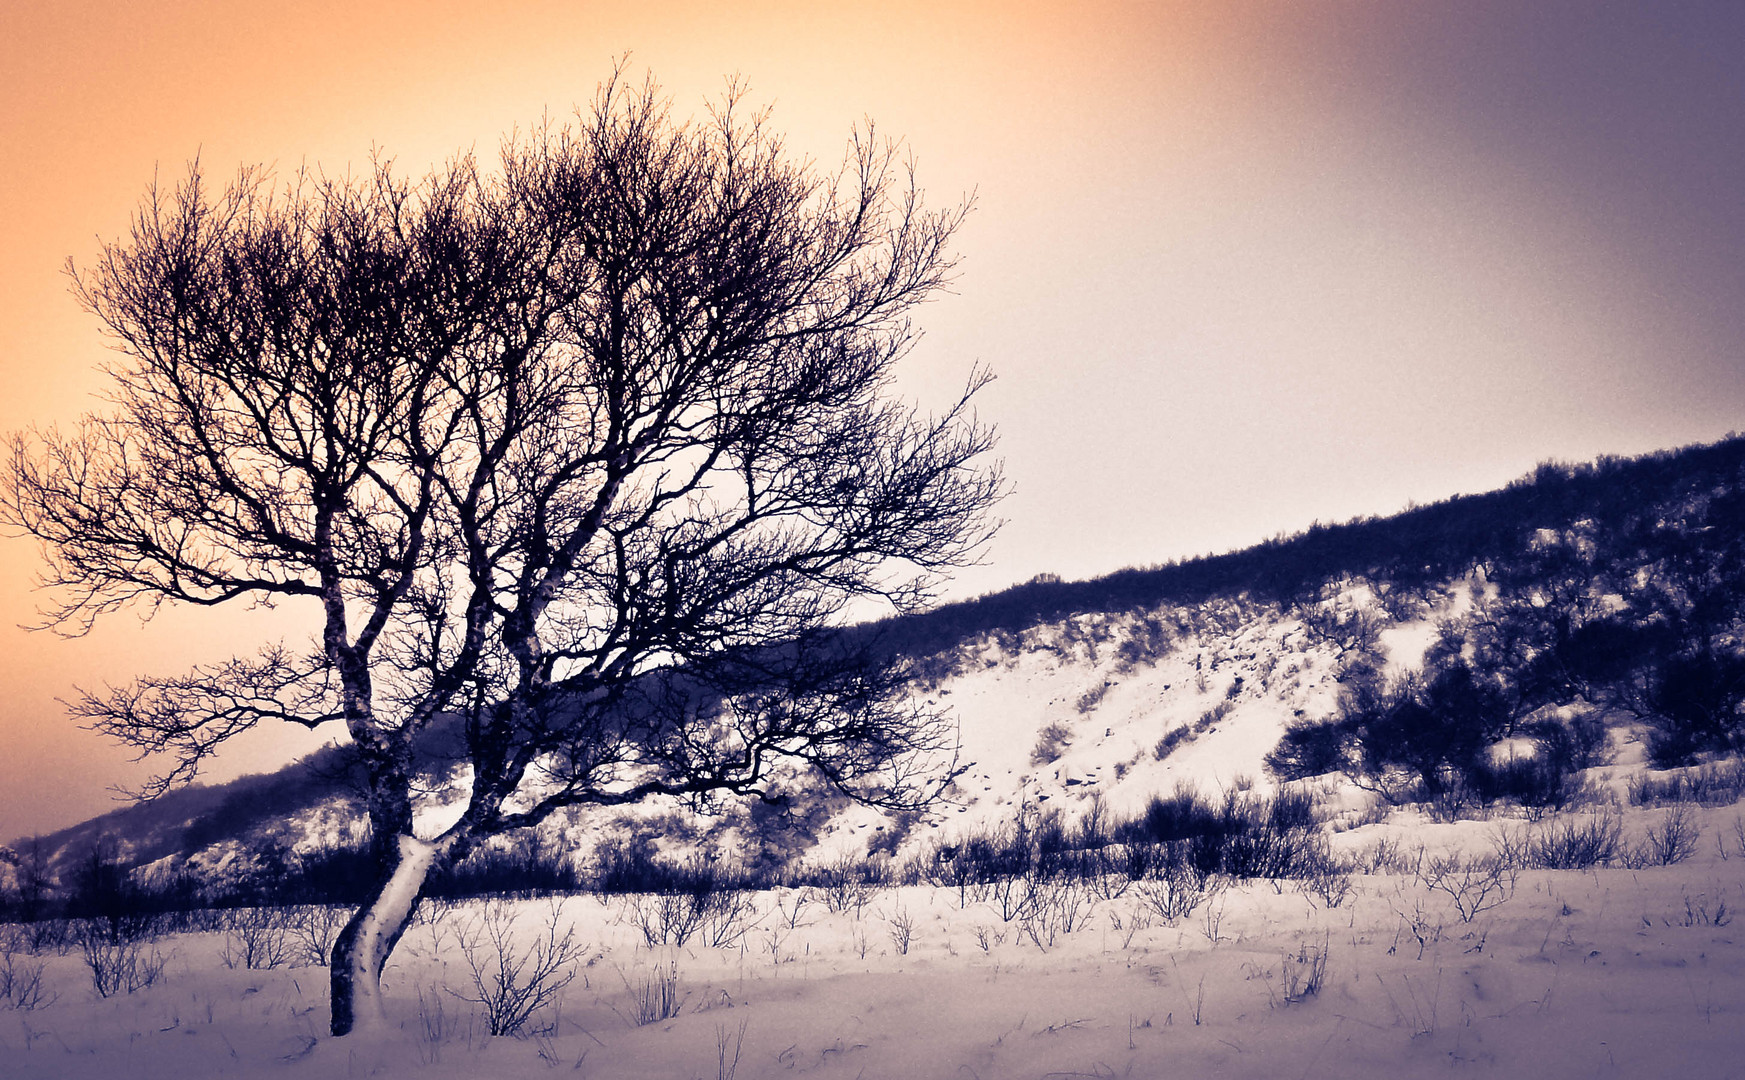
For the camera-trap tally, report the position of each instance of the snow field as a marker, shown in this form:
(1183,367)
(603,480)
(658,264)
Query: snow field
(1605,972)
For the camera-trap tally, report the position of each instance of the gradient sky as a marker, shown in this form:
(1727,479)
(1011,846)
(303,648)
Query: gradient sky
(1237,266)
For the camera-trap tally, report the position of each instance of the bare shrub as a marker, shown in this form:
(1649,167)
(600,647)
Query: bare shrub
(848,885)
(512,984)
(1511,846)
(1175,889)
(49,935)
(312,928)
(1107,878)
(1475,884)
(718,916)
(1674,839)
(1216,714)
(1091,698)
(258,938)
(21,985)
(902,929)
(1052,906)
(665,918)
(1386,855)
(790,908)
(1325,875)
(1416,921)
(731,914)
(1576,843)
(1010,896)
(1170,740)
(1710,784)
(118,965)
(1212,920)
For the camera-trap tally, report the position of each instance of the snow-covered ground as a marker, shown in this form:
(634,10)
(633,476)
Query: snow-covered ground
(1608,972)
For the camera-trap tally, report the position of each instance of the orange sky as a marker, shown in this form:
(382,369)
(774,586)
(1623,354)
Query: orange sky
(1238,266)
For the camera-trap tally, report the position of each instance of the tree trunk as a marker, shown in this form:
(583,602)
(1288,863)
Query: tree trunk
(363,946)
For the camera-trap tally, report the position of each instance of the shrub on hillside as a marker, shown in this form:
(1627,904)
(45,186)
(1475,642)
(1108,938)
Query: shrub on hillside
(1426,735)
(1051,742)
(1172,739)
(1310,748)
(1697,704)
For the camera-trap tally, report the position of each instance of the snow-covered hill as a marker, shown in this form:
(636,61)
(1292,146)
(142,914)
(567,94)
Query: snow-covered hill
(1108,693)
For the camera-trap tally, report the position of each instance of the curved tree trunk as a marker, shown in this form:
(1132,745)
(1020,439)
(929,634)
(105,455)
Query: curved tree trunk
(363,946)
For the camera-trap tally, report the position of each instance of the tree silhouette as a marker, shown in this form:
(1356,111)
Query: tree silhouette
(585,455)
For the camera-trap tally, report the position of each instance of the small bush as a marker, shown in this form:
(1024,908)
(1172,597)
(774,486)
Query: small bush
(848,885)
(1324,875)
(669,917)
(901,926)
(671,903)
(1536,781)
(1308,748)
(1051,743)
(118,966)
(1674,839)
(1476,885)
(1172,739)
(1245,836)
(1212,716)
(1052,905)
(513,984)
(312,929)
(1576,844)
(21,985)
(1180,816)
(257,938)
(1581,743)
(1175,889)
(526,865)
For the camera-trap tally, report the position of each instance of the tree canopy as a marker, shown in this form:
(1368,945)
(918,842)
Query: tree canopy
(586,453)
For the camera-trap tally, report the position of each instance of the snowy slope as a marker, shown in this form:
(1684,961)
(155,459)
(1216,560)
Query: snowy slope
(1076,709)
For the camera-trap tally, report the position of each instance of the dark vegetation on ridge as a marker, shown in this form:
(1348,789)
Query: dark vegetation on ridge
(1415,548)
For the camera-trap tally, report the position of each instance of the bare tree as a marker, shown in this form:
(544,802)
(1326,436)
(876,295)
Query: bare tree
(586,456)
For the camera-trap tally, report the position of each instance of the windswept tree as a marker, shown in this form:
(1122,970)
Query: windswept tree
(584,455)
